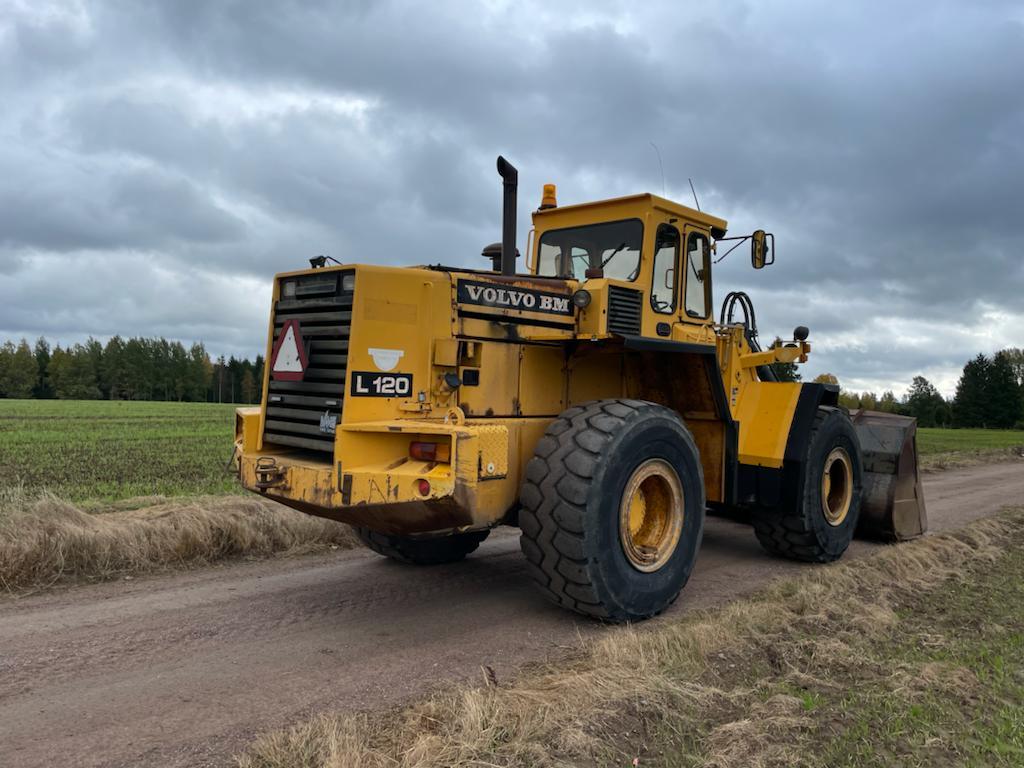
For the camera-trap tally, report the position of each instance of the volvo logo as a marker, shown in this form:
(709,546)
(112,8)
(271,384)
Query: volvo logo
(490,295)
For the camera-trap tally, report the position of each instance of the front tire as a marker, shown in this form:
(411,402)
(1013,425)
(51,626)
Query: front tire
(612,509)
(820,527)
(422,551)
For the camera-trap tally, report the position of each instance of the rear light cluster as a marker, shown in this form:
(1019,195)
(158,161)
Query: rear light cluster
(430,451)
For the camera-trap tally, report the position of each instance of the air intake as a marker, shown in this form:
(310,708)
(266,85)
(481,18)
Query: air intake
(304,414)
(624,310)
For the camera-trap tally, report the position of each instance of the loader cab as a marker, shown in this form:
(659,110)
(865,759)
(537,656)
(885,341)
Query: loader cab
(644,256)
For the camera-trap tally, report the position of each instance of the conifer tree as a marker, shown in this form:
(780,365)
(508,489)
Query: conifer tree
(969,408)
(21,372)
(926,404)
(1002,394)
(41,352)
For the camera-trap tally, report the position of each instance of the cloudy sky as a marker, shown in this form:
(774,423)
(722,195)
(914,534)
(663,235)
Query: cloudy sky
(160,161)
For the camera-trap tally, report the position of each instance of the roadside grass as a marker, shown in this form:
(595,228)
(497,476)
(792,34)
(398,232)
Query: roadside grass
(45,540)
(952,448)
(96,451)
(912,656)
(157,471)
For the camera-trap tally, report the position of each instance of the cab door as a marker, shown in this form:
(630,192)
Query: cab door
(665,280)
(695,307)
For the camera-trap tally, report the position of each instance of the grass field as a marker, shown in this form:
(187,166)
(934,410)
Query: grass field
(99,451)
(103,451)
(932,441)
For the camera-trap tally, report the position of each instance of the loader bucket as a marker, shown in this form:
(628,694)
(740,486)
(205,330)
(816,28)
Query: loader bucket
(892,504)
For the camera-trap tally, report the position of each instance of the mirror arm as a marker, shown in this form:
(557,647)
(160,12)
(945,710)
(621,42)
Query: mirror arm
(725,239)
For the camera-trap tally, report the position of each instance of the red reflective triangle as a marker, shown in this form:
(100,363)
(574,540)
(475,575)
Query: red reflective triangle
(288,361)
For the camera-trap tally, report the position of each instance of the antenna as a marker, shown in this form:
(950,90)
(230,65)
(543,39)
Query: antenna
(694,193)
(661,166)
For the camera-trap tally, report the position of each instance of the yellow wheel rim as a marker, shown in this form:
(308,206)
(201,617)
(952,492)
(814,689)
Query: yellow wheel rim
(837,486)
(651,515)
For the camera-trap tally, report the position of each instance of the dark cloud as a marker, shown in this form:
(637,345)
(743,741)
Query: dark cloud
(161,161)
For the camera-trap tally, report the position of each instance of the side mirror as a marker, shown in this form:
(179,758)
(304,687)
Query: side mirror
(762,249)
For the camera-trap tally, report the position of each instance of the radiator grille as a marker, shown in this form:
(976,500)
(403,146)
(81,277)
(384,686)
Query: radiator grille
(624,309)
(300,413)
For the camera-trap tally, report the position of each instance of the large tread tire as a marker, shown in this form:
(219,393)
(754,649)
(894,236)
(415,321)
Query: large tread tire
(569,508)
(802,532)
(422,551)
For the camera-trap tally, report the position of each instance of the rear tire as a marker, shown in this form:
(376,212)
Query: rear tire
(821,527)
(612,509)
(422,551)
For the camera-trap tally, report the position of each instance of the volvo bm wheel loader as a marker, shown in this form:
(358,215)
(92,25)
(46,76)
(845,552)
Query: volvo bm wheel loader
(594,401)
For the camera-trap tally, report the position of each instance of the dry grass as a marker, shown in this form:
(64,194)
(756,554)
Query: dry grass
(967,457)
(45,540)
(665,677)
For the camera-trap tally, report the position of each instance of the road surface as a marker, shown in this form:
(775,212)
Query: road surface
(185,669)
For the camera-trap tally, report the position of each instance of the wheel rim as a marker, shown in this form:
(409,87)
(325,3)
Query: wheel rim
(837,486)
(651,515)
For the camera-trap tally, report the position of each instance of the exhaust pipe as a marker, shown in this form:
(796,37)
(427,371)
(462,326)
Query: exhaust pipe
(510,179)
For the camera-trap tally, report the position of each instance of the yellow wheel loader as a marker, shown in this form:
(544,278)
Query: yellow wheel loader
(593,400)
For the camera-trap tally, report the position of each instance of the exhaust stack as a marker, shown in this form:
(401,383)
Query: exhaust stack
(510,179)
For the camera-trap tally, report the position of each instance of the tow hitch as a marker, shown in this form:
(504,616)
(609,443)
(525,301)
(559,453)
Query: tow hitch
(268,474)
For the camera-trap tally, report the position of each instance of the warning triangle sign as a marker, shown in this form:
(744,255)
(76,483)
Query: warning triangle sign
(288,361)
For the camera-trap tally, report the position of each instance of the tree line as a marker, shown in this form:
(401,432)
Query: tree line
(990,394)
(126,369)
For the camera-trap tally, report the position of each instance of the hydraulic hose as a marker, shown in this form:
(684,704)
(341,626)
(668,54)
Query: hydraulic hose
(739,299)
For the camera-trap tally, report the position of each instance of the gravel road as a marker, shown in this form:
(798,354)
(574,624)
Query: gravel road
(184,669)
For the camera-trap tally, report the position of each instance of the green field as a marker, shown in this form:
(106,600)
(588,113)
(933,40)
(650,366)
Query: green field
(932,441)
(108,450)
(105,451)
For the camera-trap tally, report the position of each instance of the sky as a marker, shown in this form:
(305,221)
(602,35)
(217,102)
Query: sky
(159,162)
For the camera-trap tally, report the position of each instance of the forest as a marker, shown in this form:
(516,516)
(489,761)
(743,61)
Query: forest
(989,394)
(126,369)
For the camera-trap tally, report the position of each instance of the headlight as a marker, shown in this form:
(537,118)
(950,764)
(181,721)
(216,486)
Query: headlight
(288,289)
(581,298)
(348,282)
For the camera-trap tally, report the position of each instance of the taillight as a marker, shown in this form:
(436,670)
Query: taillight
(423,486)
(422,451)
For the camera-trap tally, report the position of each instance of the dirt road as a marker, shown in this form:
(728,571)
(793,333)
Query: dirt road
(185,669)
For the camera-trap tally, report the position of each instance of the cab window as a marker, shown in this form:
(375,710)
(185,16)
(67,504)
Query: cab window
(665,279)
(698,273)
(613,247)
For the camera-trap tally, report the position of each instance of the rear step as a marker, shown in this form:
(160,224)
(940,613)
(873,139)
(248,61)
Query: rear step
(892,505)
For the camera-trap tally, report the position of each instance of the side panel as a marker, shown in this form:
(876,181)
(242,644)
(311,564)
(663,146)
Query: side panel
(767,485)
(396,315)
(594,371)
(542,376)
(497,371)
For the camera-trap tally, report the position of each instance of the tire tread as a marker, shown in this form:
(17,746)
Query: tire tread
(422,551)
(554,496)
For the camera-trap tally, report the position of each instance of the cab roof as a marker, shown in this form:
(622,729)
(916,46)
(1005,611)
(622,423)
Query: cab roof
(629,206)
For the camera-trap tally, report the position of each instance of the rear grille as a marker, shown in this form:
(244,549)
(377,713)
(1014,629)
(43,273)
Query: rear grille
(299,413)
(624,306)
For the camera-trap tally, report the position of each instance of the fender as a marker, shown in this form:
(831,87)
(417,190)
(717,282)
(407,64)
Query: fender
(771,488)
